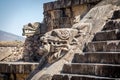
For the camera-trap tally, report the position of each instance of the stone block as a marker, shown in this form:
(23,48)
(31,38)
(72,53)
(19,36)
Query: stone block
(82,1)
(65,26)
(65,20)
(65,3)
(79,77)
(68,12)
(75,2)
(112,24)
(57,14)
(62,3)
(104,46)
(84,77)
(17,67)
(116,14)
(68,3)
(57,5)
(102,70)
(48,6)
(43,29)
(2,76)
(11,44)
(98,57)
(60,77)
(55,23)
(107,35)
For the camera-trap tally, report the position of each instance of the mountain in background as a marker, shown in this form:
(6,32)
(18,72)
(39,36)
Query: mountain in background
(5,36)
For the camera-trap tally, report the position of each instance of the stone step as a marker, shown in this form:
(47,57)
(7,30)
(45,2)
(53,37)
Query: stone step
(4,76)
(103,46)
(17,67)
(112,24)
(98,57)
(79,77)
(1,77)
(107,35)
(116,14)
(102,70)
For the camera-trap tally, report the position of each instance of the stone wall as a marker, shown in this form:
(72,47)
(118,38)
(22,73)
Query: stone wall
(16,70)
(65,13)
(11,51)
(31,49)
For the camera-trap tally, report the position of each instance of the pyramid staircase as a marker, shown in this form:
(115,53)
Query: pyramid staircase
(101,59)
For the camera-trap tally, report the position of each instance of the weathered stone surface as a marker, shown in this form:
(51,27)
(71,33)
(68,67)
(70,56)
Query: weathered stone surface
(57,43)
(21,76)
(116,14)
(112,24)
(11,51)
(90,78)
(79,12)
(48,6)
(5,52)
(76,2)
(58,46)
(107,35)
(79,77)
(34,28)
(64,9)
(60,77)
(13,76)
(103,70)
(66,3)
(11,44)
(98,57)
(56,5)
(33,31)
(2,77)
(31,49)
(96,18)
(17,67)
(104,46)
(57,14)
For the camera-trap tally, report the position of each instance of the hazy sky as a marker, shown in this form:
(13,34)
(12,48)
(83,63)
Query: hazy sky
(15,13)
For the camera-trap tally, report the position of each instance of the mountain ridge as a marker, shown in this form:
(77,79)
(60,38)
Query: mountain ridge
(6,36)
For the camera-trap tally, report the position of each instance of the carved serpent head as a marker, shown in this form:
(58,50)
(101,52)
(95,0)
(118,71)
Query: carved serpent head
(31,28)
(58,42)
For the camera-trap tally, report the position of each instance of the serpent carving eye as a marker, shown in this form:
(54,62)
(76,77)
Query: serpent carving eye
(44,43)
(49,42)
(58,43)
(54,43)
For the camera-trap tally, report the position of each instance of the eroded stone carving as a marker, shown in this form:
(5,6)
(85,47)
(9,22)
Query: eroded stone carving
(33,32)
(59,46)
(31,28)
(57,43)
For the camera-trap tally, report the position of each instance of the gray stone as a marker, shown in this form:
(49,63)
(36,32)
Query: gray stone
(103,46)
(98,57)
(102,70)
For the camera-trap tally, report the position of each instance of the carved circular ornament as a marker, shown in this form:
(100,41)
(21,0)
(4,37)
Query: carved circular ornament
(63,34)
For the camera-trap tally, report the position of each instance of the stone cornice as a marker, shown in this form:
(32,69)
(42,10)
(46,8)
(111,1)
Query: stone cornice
(65,3)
